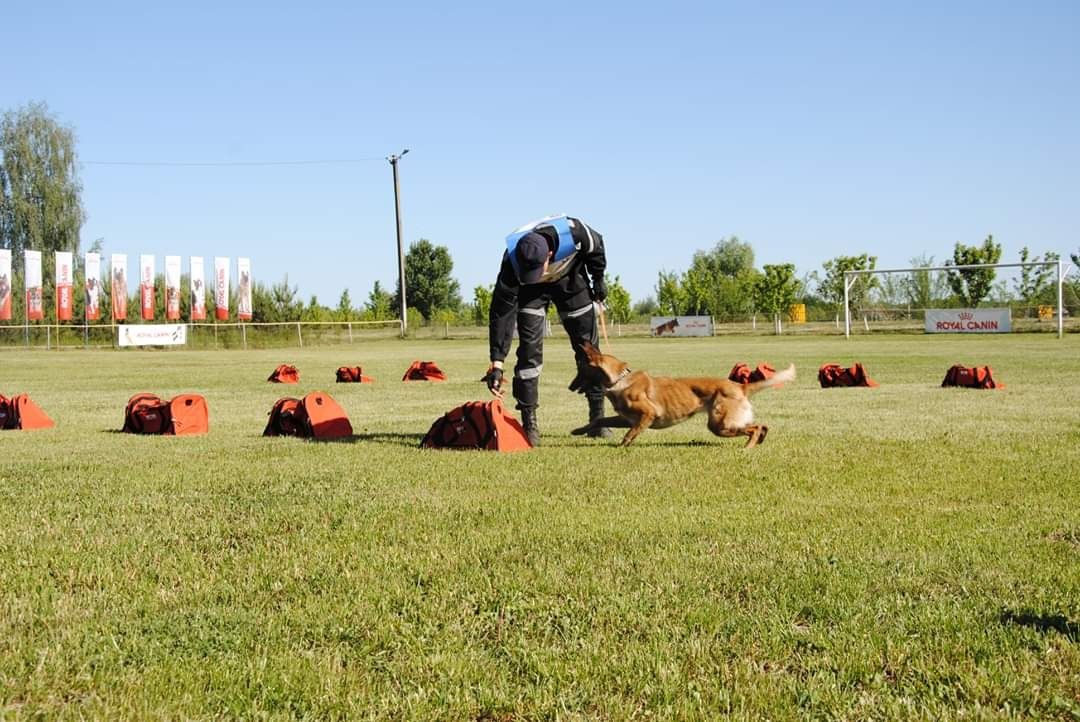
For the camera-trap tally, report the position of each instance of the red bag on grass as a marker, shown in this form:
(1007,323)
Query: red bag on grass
(316,416)
(832,375)
(743,374)
(972,377)
(477,425)
(20,412)
(285,374)
(182,415)
(352,374)
(424,371)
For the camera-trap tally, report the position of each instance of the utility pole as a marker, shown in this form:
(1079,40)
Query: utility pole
(400,248)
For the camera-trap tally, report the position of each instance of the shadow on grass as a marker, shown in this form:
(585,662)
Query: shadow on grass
(1043,623)
(382,437)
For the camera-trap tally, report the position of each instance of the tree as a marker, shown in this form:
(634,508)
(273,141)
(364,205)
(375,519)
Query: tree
(832,288)
(482,304)
(40,191)
(379,306)
(924,288)
(719,281)
(428,283)
(617,303)
(670,298)
(344,310)
(775,290)
(1035,281)
(645,307)
(972,285)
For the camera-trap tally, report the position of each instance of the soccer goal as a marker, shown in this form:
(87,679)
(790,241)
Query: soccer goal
(1032,291)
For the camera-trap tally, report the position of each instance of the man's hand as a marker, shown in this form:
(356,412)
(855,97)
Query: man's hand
(494,378)
(599,290)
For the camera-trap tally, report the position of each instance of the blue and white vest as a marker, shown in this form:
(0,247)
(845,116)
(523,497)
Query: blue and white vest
(564,254)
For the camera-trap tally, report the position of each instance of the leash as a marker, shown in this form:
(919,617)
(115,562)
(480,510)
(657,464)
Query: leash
(603,326)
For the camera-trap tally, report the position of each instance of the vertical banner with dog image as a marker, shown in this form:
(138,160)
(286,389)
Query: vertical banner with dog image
(65,285)
(92,289)
(243,290)
(221,288)
(146,286)
(198,290)
(172,287)
(35,304)
(5,284)
(118,286)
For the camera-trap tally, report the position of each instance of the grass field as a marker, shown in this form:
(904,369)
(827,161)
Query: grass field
(900,552)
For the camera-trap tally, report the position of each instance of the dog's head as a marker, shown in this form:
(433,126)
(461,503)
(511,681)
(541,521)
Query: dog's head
(599,369)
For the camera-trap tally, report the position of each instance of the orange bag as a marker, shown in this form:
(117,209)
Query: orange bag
(285,374)
(424,371)
(743,374)
(477,425)
(832,375)
(182,415)
(972,377)
(316,416)
(19,412)
(352,374)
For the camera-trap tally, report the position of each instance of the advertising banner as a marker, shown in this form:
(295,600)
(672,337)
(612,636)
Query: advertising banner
(221,288)
(146,286)
(5,284)
(968,320)
(92,287)
(172,288)
(65,285)
(152,334)
(243,289)
(681,325)
(118,286)
(35,304)
(198,289)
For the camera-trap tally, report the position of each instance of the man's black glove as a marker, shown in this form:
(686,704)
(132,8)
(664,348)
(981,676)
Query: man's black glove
(493,378)
(599,290)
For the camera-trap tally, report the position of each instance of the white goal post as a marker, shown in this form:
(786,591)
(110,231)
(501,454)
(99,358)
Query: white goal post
(1062,271)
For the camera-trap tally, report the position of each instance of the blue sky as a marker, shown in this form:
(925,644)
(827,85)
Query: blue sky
(808,130)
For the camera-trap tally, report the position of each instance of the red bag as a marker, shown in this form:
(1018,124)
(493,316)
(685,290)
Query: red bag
(743,374)
(182,415)
(972,377)
(424,371)
(477,425)
(19,412)
(316,416)
(832,375)
(285,374)
(352,374)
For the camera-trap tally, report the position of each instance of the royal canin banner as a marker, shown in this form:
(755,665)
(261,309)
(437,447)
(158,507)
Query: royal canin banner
(35,304)
(5,284)
(65,285)
(152,334)
(968,320)
(198,289)
(243,288)
(146,286)
(92,287)
(172,288)
(118,286)
(681,325)
(221,288)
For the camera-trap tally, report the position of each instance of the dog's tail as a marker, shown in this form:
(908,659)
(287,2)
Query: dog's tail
(781,377)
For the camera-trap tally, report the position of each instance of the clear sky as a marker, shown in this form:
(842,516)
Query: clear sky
(809,130)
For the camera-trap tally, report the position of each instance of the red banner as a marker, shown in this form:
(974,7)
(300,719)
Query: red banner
(146,287)
(65,302)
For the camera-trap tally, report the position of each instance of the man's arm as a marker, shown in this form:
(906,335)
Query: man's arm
(594,257)
(503,313)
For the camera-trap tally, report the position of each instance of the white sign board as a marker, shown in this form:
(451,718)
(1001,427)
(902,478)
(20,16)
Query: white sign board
(968,320)
(681,326)
(153,334)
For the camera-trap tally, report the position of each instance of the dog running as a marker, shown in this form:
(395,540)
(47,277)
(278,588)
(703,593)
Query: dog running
(657,402)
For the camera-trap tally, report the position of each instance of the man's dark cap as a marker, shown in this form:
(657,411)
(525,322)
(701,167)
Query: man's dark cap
(532,252)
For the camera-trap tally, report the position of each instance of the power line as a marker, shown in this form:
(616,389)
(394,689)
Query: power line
(227,164)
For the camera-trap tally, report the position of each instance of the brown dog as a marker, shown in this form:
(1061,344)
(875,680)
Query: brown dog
(657,402)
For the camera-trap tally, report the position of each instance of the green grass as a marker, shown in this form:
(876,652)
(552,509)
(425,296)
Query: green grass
(901,552)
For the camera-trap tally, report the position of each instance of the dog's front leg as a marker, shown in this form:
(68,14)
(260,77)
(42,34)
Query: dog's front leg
(643,422)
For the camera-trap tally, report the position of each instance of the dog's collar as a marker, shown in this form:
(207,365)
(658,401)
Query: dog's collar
(622,375)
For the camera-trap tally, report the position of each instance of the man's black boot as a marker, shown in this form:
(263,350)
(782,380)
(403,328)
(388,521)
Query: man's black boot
(528,422)
(596,412)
